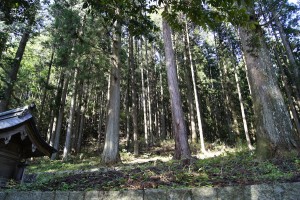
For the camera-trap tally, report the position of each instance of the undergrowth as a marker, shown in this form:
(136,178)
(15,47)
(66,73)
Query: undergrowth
(238,168)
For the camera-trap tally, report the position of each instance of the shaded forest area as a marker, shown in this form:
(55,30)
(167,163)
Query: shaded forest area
(199,72)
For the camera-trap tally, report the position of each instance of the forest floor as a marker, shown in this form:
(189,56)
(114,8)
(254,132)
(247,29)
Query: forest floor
(221,166)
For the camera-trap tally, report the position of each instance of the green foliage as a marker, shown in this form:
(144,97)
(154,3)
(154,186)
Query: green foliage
(237,168)
(75,163)
(207,14)
(17,10)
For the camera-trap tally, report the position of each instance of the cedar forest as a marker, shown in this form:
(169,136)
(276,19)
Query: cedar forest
(197,72)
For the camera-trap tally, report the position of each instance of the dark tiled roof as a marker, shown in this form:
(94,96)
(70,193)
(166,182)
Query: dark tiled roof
(21,121)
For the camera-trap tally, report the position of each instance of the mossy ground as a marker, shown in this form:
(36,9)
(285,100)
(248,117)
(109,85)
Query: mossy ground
(229,168)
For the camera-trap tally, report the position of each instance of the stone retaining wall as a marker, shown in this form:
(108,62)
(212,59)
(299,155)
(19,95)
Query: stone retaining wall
(280,191)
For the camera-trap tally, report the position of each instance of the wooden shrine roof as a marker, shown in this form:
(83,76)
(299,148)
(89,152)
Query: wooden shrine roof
(21,121)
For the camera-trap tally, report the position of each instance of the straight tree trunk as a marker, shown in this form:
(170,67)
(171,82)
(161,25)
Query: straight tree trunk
(189,92)
(144,108)
(288,92)
(59,121)
(77,114)
(69,133)
(202,145)
(99,125)
(144,93)
(292,61)
(110,153)
(45,89)
(149,99)
(182,150)
(127,103)
(82,118)
(237,82)
(13,72)
(275,137)
(49,133)
(134,99)
(162,108)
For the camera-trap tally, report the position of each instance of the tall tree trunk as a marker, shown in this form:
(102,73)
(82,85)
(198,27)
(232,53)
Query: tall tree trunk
(237,82)
(134,99)
(69,133)
(182,150)
(149,99)
(144,107)
(12,76)
(292,61)
(82,117)
(288,92)
(127,109)
(77,114)
(110,153)
(162,108)
(100,121)
(202,146)
(59,121)
(189,91)
(275,137)
(49,130)
(46,89)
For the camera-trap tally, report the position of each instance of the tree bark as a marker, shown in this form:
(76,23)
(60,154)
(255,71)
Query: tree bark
(60,117)
(134,99)
(162,112)
(69,133)
(46,89)
(13,73)
(274,132)
(202,146)
(237,82)
(82,117)
(110,153)
(149,99)
(189,91)
(182,150)
(144,107)
(292,61)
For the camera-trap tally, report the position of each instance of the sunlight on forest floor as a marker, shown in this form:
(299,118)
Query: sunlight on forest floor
(155,168)
(145,159)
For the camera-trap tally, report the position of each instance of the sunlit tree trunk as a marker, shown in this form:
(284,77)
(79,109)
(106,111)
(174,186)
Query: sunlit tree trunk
(275,137)
(237,82)
(197,103)
(134,99)
(69,132)
(50,127)
(182,150)
(110,153)
(144,107)
(149,97)
(59,121)
(189,94)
